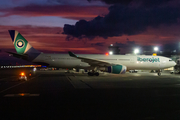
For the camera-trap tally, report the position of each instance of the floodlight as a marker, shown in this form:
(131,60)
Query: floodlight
(156,48)
(110,52)
(136,51)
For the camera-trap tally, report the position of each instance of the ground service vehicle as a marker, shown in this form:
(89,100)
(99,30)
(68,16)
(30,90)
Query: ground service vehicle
(22,76)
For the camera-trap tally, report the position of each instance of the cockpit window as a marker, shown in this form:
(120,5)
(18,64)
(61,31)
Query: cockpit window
(170,60)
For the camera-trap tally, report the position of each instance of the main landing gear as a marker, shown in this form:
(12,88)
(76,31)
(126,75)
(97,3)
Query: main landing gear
(93,73)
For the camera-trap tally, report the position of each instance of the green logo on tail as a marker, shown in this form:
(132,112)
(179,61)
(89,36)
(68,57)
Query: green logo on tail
(20,44)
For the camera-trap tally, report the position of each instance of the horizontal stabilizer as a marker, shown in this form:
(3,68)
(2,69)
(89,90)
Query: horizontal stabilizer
(24,56)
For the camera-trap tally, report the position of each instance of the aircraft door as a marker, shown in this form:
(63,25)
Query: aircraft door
(156,64)
(132,59)
(161,63)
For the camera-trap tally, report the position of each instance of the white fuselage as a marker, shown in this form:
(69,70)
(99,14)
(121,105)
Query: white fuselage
(143,62)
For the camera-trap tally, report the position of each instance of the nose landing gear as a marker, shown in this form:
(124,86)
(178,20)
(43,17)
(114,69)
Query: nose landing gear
(159,72)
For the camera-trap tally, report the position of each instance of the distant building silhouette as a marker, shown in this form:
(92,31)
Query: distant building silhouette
(114,49)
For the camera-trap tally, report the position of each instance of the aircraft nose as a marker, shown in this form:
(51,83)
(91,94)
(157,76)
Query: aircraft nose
(174,63)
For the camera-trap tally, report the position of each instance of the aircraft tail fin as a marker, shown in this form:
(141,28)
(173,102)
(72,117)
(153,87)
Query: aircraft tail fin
(21,45)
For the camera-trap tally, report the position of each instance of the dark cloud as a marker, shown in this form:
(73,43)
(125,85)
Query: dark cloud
(126,2)
(122,20)
(121,45)
(149,3)
(129,47)
(66,11)
(171,47)
(146,3)
(129,44)
(98,44)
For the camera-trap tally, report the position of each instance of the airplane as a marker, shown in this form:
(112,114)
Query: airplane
(116,64)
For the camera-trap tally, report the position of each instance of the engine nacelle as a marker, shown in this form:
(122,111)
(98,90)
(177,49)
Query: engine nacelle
(116,69)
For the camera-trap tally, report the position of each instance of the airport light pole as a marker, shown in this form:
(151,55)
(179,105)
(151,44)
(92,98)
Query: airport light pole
(156,50)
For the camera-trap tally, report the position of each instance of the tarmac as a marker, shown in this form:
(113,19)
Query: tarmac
(58,95)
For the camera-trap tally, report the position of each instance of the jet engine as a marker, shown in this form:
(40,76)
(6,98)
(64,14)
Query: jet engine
(116,69)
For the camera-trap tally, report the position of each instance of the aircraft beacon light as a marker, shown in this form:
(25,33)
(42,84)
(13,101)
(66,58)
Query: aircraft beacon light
(107,54)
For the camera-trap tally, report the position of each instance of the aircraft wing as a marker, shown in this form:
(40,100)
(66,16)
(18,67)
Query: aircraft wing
(92,62)
(24,56)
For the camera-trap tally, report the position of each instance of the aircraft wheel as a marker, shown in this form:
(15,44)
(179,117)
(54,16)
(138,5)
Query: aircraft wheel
(90,73)
(159,73)
(97,74)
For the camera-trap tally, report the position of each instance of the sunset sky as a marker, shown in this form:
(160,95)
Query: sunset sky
(90,26)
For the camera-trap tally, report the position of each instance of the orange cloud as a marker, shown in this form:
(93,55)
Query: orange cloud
(50,39)
(46,39)
(66,11)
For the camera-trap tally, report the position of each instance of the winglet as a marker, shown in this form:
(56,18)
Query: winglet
(72,54)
